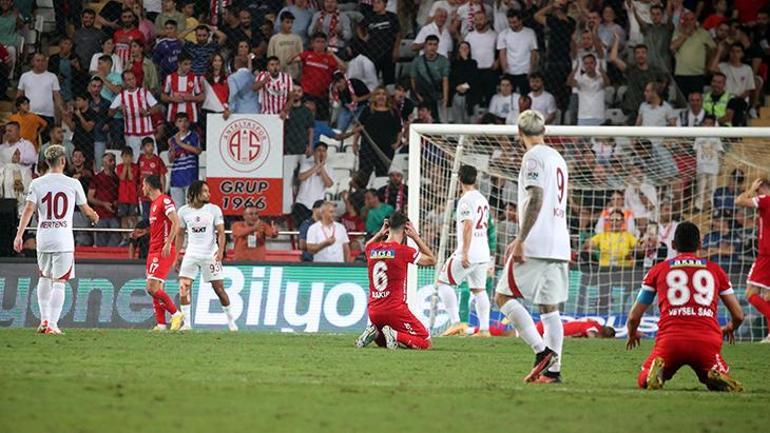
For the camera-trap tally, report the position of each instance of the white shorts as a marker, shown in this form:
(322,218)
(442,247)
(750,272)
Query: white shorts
(56,266)
(211,270)
(542,282)
(454,273)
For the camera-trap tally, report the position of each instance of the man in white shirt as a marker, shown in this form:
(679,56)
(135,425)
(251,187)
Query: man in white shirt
(483,42)
(708,153)
(740,76)
(524,103)
(538,265)
(542,100)
(314,178)
(470,260)
(464,21)
(654,111)
(505,101)
(517,46)
(440,29)
(42,89)
(363,68)
(13,142)
(694,114)
(590,86)
(641,198)
(327,240)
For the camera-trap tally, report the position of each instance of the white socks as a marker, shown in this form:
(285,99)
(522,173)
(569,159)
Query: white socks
(519,316)
(55,304)
(449,299)
(482,309)
(228,313)
(43,297)
(187,313)
(553,336)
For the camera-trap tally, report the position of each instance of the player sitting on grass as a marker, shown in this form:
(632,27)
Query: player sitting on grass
(205,228)
(688,331)
(392,323)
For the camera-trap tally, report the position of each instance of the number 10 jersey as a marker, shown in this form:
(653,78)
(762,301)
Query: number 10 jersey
(55,196)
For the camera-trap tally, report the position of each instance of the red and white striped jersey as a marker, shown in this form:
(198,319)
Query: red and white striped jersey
(189,84)
(132,104)
(275,93)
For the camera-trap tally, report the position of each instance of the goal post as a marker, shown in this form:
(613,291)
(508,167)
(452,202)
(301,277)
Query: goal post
(657,176)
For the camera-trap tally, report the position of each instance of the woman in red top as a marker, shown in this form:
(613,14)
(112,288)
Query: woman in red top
(216,77)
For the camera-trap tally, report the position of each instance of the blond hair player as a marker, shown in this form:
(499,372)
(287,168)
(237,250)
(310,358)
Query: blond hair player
(536,265)
(54,196)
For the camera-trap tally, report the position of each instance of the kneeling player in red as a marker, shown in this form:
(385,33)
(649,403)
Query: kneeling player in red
(392,324)
(688,331)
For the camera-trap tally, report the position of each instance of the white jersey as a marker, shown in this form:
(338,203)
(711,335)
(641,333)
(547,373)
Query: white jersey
(55,196)
(200,225)
(544,167)
(474,207)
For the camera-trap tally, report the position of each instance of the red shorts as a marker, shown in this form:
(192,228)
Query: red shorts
(158,266)
(700,355)
(401,320)
(759,275)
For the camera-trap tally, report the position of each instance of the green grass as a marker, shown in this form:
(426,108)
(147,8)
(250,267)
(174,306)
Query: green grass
(133,381)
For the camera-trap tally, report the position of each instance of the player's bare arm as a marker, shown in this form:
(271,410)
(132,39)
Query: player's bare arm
(174,218)
(26,216)
(221,242)
(736,316)
(89,212)
(746,198)
(427,258)
(634,319)
(467,234)
(534,205)
(180,235)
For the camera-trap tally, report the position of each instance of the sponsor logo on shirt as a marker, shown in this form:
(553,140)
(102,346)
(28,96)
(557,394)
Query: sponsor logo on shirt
(387,254)
(688,263)
(198,229)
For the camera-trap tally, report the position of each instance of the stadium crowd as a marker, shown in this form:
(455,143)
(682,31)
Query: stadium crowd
(126,88)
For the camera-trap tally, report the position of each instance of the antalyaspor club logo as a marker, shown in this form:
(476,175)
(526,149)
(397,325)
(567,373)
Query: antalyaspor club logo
(244,145)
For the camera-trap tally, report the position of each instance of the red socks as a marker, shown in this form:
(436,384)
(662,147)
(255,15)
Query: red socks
(761,305)
(165,301)
(160,312)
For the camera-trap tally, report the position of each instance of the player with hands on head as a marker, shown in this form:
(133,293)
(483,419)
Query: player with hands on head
(688,288)
(758,284)
(388,257)
(54,197)
(204,225)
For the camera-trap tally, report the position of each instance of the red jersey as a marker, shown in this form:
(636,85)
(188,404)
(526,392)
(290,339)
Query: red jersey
(388,263)
(149,166)
(275,93)
(688,290)
(763,224)
(105,188)
(317,71)
(180,85)
(122,39)
(128,190)
(160,225)
(575,328)
(135,105)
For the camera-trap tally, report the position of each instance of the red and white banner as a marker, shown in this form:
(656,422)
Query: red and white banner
(244,162)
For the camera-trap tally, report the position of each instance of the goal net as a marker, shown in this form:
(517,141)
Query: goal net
(654,177)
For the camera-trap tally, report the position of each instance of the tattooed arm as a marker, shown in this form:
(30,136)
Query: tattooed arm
(532,211)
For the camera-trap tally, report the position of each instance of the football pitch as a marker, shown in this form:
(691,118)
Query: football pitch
(134,381)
